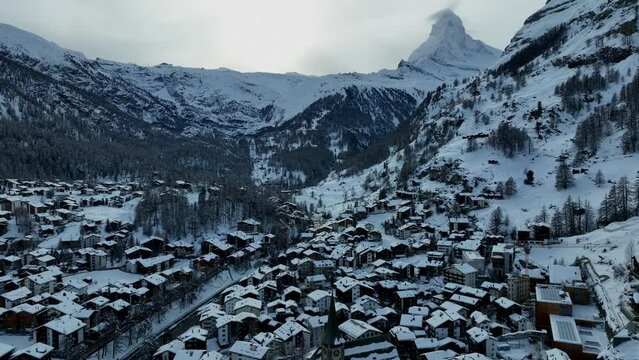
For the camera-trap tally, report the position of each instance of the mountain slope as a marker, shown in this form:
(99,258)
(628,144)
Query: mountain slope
(265,113)
(566,87)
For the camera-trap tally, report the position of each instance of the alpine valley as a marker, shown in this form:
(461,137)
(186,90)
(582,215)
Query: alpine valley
(125,120)
(469,204)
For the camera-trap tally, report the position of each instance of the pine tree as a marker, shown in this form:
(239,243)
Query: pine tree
(563,176)
(607,208)
(568,210)
(589,217)
(557,224)
(496,220)
(543,215)
(510,188)
(599,179)
(530,178)
(623,199)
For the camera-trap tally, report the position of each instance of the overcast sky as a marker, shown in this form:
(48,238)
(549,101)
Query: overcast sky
(311,37)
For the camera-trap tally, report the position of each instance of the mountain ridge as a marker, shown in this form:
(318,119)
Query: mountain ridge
(205,105)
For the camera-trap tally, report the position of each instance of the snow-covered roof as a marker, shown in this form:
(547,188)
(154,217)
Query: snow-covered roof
(289,329)
(173,347)
(564,329)
(556,354)
(411,321)
(155,279)
(464,268)
(477,335)
(212,355)
(36,351)
(65,325)
(17,294)
(317,295)
(154,260)
(505,303)
(195,332)
(552,294)
(402,333)
(355,328)
(250,350)
(250,302)
(6,349)
(133,249)
(119,305)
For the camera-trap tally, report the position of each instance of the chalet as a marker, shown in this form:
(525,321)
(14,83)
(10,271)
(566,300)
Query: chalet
(36,208)
(349,290)
(463,274)
(24,316)
(156,244)
(90,228)
(360,213)
(445,324)
(44,282)
(480,341)
(106,246)
(46,230)
(407,230)
(502,259)
(92,258)
(445,247)
(15,297)
(249,226)
(239,238)
(400,249)
(540,231)
(249,305)
(12,262)
(295,338)
(458,224)
(404,299)
(218,247)
(316,282)
(505,308)
(208,261)
(194,338)
(180,248)
(138,252)
(319,299)
(168,351)
(150,265)
(404,212)
(63,330)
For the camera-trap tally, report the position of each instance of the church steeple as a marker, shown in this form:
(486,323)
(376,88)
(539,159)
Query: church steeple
(332,343)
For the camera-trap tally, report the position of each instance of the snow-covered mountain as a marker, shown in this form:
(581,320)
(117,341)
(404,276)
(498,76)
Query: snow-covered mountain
(565,88)
(278,113)
(449,49)
(233,102)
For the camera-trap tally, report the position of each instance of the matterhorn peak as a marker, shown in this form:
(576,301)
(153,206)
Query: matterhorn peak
(447,22)
(449,45)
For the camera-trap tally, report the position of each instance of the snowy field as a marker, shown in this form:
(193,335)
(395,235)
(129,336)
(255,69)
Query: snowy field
(124,214)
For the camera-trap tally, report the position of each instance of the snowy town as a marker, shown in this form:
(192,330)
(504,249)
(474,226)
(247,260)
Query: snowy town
(375,282)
